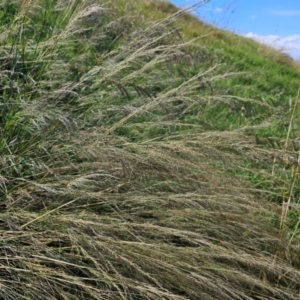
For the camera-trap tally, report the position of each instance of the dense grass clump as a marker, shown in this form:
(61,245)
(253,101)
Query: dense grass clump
(143,157)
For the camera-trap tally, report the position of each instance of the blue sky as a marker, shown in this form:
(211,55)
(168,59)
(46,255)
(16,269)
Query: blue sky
(274,22)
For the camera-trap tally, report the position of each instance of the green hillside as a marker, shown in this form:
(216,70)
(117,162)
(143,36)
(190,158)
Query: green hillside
(144,155)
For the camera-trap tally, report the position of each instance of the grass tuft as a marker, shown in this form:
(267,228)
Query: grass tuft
(144,155)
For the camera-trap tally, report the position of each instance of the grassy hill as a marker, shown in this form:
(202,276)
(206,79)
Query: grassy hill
(144,155)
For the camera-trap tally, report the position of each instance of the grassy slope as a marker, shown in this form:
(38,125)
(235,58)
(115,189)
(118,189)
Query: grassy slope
(267,75)
(136,164)
(257,93)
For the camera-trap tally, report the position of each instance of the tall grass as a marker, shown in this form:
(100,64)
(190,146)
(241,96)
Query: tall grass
(115,183)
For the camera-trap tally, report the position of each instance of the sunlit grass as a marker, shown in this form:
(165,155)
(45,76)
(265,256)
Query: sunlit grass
(143,156)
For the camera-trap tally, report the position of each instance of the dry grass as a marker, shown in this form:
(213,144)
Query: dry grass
(91,213)
(157,220)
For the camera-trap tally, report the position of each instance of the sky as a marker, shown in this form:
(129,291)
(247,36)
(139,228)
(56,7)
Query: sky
(274,22)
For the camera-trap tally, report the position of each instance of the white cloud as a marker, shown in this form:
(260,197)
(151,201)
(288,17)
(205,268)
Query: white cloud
(288,44)
(253,17)
(285,12)
(217,10)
